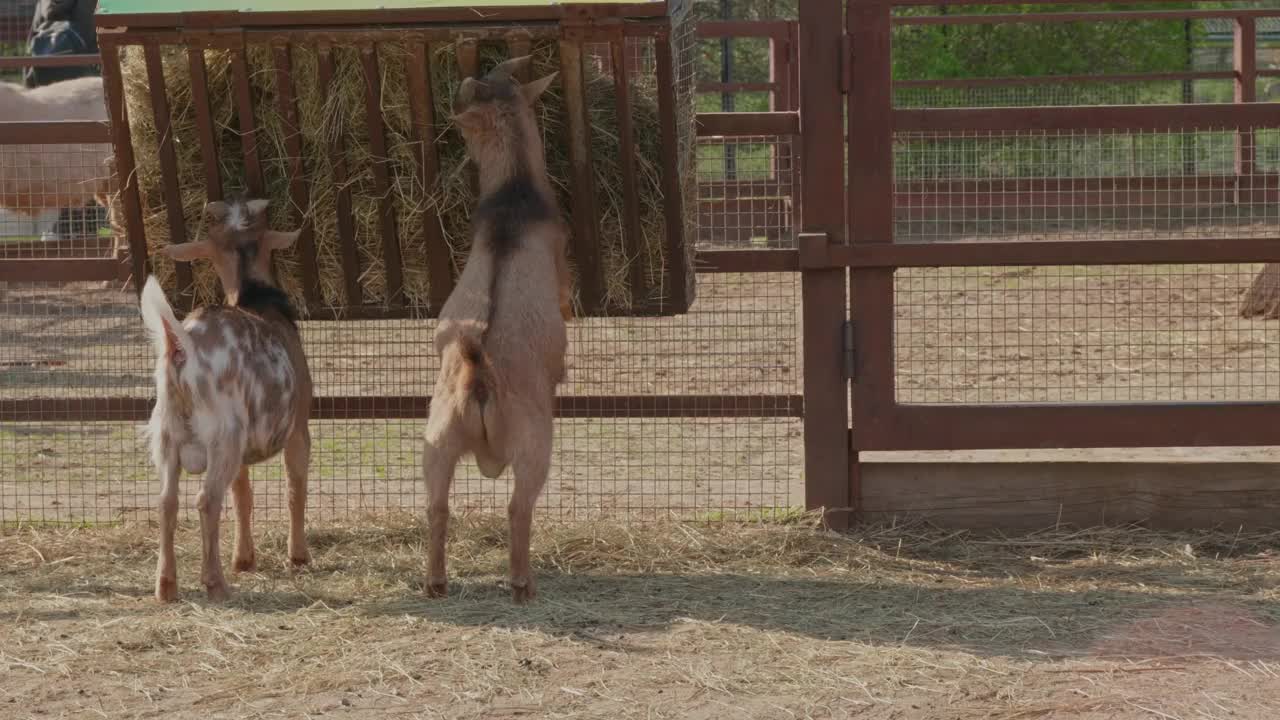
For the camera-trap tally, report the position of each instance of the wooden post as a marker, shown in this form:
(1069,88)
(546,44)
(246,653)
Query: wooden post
(1262,300)
(585,240)
(782,47)
(171,187)
(1245,65)
(122,145)
(826,397)
(870,200)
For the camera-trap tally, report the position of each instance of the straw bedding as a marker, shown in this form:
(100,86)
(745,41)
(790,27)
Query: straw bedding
(338,111)
(644,621)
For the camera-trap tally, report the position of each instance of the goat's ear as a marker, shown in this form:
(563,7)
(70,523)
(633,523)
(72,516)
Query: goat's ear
(534,89)
(217,210)
(257,207)
(186,252)
(466,92)
(276,240)
(514,66)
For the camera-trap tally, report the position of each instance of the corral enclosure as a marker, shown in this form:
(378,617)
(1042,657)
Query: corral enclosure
(1066,270)
(705,414)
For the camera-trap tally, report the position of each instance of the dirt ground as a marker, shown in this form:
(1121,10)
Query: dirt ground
(652,621)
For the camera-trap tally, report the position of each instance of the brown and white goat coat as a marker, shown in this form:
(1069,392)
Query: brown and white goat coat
(232,389)
(501,334)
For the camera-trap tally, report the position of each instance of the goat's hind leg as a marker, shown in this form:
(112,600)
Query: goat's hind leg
(224,465)
(297,462)
(443,447)
(167,565)
(245,558)
(532,463)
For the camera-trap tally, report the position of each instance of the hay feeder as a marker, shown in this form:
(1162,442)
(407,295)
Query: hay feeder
(339,114)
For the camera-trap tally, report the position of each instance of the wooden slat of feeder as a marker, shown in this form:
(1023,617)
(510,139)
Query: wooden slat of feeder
(257,186)
(204,122)
(586,243)
(468,52)
(677,264)
(299,195)
(354,294)
(391,262)
(422,110)
(125,167)
(170,188)
(520,46)
(630,193)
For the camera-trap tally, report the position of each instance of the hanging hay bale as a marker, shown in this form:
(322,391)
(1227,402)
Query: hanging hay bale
(336,111)
(1262,299)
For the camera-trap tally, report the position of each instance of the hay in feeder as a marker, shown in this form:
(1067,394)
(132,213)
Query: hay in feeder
(337,110)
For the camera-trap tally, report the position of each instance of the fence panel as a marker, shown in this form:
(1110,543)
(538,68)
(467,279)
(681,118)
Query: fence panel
(1057,274)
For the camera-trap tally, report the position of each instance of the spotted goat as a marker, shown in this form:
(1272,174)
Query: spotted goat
(232,389)
(501,334)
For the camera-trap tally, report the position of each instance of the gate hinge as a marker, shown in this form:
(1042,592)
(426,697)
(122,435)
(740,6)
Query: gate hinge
(846,63)
(846,345)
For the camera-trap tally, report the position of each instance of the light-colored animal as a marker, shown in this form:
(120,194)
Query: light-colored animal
(501,334)
(232,389)
(35,179)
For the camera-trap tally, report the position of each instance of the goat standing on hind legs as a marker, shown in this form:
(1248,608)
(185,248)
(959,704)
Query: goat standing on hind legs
(501,334)
(232,390)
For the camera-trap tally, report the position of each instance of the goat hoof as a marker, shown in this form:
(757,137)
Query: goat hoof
(300,559)
(217,592)
(166,589)
(245,564)
(437,588)
(522,591)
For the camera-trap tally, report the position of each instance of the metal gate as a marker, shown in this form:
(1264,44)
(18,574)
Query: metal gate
(924,190)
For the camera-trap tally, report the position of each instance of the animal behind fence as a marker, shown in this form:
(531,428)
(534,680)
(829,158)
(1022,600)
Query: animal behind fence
(501,336)
(232,389)
(39,178)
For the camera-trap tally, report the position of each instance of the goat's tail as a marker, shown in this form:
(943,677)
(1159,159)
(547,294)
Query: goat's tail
(477,385)
(171,340)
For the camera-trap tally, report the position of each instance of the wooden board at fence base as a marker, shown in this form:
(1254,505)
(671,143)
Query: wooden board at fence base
(1034,490)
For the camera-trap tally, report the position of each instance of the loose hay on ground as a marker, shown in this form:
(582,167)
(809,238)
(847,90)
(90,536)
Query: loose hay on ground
(337,111)
(662,620)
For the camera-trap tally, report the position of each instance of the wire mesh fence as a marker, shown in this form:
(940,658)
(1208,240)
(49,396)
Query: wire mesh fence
(78,343)
(1081,184)
(1080,333)
(15,24)
(48,192)
(64,347)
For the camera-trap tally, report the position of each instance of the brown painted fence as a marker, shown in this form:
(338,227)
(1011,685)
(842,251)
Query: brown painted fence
(886,240)
(862,236)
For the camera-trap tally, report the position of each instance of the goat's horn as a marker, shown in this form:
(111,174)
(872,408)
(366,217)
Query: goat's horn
(514,65)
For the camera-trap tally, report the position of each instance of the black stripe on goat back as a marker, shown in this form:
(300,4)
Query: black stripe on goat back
(258,297)
(507,211)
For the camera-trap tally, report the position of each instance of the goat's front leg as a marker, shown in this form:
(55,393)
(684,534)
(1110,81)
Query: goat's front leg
(224,464)
(245,559)
(439,460)
(297,461)
(167,565)
(532,464)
